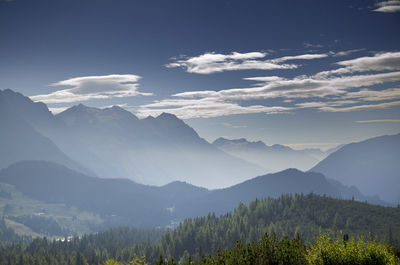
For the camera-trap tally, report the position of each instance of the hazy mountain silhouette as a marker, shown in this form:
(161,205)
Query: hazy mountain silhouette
(20,141)
(122,201)
(273,158)
(114,143)
(371,165)
(151,151)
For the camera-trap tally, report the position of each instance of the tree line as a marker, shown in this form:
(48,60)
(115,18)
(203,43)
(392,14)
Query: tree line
(289,218)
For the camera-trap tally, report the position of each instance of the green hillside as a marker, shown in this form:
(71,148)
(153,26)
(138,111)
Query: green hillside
(32,218)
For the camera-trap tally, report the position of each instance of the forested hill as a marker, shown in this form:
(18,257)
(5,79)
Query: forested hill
(301,215)
(289,215)
(124,202)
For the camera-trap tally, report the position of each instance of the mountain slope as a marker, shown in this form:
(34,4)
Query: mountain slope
(304,215)
(119,199)
(19,141)
(371,165)
(123,202)
(289,181)
(273,158)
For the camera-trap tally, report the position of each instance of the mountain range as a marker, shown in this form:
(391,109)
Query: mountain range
(273,158)
(371,165)
(124,202)
(114,143)
(157,170)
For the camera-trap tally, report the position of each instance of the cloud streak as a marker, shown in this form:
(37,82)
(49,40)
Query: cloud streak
(93,87)
(209,63)
(388,61)
(351,87)
(390,6)
(379,121)
(204,108)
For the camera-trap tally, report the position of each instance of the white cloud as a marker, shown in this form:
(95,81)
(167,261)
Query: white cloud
(325,91)
(204,108)
(379,121)
(390,6)
(388,61)
(124,105)
(93,87)
(56,110)
(380,62)
(299,87)
(227,124)
(299,57)
(310,45)
(362,107)
(374,95)
(345,53)
(209,63)
(264,78)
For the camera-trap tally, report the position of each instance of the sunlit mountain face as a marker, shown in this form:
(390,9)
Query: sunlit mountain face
(282,116)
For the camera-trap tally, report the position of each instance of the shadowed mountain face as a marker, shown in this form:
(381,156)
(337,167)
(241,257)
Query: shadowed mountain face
(372,165)
(272,158)
(20,141)
(125,202)
(114,143)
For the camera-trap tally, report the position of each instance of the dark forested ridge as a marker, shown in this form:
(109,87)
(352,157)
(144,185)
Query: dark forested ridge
(300,216)
(124,202)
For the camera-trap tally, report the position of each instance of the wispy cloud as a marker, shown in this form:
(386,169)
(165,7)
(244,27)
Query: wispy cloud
(209,63)
(362,107)
(56,110)
(354,89)
(322,145)
(390,6)
(387,61)
(204,108)
(311,45)
(346,53)
(227,124)
(93,87)
(378,121)
(298,87)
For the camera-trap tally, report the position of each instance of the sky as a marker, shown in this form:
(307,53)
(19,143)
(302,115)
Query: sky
(308,74)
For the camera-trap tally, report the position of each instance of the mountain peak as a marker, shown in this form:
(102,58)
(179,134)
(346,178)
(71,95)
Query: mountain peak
(79,107)
(239,142)
(15,102)
(279,147)
(9,94)
(77,110)
(167,116)
(219,141)
(84,114)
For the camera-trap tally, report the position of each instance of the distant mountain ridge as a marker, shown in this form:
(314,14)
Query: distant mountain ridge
(371,165)
(273,158)
(124,202)
(113,142)
(20,141)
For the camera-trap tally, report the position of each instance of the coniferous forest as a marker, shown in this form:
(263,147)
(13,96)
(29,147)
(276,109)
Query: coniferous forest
(300,229)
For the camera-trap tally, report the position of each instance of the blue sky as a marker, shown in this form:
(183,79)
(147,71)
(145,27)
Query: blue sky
(302,73)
